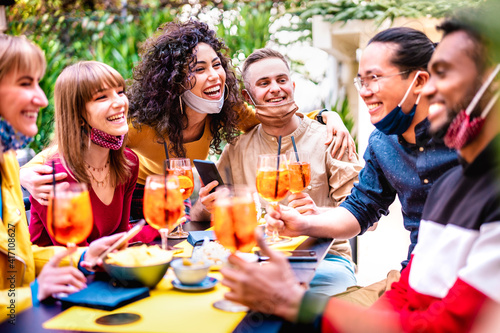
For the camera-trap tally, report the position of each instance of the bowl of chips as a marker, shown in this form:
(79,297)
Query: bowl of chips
(139,266)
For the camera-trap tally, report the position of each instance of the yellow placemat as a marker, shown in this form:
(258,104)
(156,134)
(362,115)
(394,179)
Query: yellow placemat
(167,310)
(286,246)
(187,249)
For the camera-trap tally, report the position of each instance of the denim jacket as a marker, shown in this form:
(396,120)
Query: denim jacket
(394,166)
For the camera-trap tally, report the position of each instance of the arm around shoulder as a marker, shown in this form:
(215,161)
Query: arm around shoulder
(247,119)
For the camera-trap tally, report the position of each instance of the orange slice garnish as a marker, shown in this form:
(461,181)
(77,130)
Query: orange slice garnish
(185,183)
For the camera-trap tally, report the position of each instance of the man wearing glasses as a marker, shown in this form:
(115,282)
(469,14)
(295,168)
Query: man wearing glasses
(451,283)
(401,158)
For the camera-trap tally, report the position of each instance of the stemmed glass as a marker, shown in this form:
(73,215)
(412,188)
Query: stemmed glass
(69,214)
(181,167)
(234,220)
(299,166)
(273,183)
(163,204)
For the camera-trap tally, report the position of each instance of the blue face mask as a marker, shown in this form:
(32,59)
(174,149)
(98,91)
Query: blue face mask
(398,122)
(11,138)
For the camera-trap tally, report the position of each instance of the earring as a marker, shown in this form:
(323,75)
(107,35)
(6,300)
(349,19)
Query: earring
(227,88)
(180,103)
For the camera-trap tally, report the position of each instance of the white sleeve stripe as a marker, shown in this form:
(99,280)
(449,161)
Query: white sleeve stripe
(482,269)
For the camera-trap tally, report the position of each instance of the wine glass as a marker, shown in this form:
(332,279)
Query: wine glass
(163,204)
(273,182)
(299,167)
(234,220)
(181,167)
(69,214)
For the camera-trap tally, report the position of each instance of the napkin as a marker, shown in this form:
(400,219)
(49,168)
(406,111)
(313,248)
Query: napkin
(196,237)
(103,295)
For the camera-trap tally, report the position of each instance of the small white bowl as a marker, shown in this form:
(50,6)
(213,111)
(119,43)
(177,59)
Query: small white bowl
(248,257)
(191,274)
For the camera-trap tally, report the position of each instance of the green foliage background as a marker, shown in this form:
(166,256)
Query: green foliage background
(69,31)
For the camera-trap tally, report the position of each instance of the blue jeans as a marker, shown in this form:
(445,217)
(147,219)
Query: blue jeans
(333,275)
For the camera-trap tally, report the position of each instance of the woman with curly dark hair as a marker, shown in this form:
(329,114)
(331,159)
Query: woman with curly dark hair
(180,60)
(184,100)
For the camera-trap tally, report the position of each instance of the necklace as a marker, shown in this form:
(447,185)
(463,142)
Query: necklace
(91,170)
(100,183)
(96,169)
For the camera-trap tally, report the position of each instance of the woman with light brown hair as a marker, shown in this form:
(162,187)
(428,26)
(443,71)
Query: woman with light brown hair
(91,125)
(29,273)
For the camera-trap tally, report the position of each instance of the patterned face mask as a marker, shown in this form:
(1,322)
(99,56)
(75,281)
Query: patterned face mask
(106,140)
(11,138)
(463,129)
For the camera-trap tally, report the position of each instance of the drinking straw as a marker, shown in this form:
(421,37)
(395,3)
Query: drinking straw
(300,164)
(54,177)
(295,149)
(165,163)
(165,168)
(53,196)
(166,150)
(277,168)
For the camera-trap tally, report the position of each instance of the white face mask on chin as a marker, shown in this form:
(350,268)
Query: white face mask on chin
(201,105)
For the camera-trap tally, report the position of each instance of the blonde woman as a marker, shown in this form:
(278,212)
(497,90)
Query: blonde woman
(22,65)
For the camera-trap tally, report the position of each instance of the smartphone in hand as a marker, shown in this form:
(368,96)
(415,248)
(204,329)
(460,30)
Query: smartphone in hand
(208,172)
(121,241)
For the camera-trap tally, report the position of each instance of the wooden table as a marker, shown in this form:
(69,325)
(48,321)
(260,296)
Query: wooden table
(31,320)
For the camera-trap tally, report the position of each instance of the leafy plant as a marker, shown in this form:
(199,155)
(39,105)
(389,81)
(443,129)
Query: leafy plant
(70,37)
(377,10)
(71,31)
(245,28)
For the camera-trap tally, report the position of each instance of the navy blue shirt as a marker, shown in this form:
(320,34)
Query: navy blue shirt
(394,166)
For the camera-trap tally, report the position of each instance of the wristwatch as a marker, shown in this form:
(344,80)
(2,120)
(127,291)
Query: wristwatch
(319,117)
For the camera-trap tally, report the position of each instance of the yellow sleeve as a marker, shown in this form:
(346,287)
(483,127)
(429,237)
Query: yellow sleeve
(247,119)
(14,303)
(40,158)
(312,115)
(42,255)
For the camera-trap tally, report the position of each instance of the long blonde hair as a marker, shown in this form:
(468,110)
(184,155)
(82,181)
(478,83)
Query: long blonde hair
(75,87)
(17,53)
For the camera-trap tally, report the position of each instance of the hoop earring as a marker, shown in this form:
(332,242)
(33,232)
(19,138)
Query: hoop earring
(180,103)
(227,88)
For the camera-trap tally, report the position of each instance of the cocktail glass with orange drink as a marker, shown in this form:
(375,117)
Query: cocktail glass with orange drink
(299,167)
(234,220)
(273,183)
(163,204)
(69,214)
(181,167)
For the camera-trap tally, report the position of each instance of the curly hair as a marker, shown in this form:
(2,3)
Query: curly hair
(165,72)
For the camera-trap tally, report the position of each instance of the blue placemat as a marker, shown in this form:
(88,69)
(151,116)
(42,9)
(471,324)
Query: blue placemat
(103,295)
